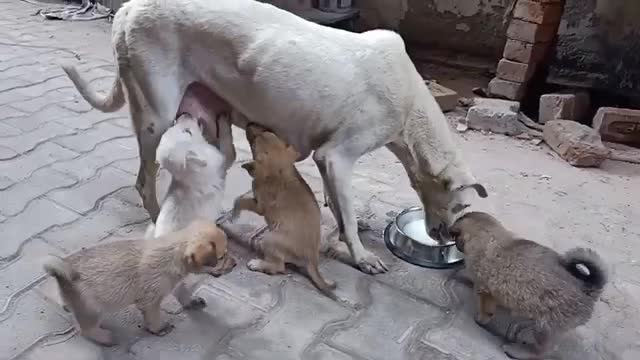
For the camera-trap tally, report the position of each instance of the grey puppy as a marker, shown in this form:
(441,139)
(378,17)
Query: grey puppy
(108,277)
(557,292)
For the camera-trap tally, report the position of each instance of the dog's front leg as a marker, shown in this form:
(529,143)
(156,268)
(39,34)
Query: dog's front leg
(336,171)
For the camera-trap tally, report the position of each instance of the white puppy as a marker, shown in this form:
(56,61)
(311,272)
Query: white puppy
(198,171)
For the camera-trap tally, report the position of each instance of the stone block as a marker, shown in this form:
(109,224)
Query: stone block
(39,215)
(30,318)
(563,106)
(538,12)
(290,329)
(515,71)
(507,89)
(531,32)
(87,231)
(86,196)
(446,98)
(577,144)
(388,326)
(37,185)
(498,116)
(22,167)
(618,125)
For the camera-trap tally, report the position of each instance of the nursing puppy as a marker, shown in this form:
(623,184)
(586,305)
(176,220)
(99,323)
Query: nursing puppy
(288,205)
(557,292)
(198,171)
(110,276)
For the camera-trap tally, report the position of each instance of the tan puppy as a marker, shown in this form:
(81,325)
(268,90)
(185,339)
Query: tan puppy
(288,205)
(556,292)
(108,277)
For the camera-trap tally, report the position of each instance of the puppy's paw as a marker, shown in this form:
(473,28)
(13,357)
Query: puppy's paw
(196,303)
(162,330)
(520,352)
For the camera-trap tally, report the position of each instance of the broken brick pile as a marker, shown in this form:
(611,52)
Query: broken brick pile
(529,37)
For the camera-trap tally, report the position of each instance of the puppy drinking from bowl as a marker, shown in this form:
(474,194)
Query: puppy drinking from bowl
(556,292)
(111,276)
(286,201)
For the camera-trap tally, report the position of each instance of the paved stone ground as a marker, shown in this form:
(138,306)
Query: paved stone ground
(66,181)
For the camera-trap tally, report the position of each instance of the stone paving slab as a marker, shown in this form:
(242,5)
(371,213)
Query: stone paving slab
(67,175)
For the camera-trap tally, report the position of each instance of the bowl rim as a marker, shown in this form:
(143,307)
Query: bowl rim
(412,209)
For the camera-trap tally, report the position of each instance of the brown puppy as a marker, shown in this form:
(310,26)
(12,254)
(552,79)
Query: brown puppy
(288,205)
(108,277)
(556,292)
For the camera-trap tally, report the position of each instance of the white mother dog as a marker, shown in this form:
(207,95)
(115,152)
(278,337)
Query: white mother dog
(339,93)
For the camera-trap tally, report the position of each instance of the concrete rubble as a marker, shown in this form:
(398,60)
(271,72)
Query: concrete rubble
(565,106)
(446,98)
(495,115)
(577,144)
(618,125)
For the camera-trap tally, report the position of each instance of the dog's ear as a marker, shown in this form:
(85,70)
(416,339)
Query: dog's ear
(292,153)
(192,158)
(250,167)
(482,192)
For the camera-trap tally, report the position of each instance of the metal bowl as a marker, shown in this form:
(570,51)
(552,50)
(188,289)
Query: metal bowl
(424,252)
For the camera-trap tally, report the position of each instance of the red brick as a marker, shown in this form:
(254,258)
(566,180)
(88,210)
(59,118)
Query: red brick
(524,52)
(618,125)
(508,89)
(515,71)
(538,12)
(531,32)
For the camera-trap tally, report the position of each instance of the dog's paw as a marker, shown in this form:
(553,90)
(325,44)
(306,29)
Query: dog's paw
(520,352)
(371,264)
(196,303)
(162,330)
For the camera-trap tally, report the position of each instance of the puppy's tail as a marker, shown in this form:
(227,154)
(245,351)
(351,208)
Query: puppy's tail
(326,287)
(61,271)
(596,276)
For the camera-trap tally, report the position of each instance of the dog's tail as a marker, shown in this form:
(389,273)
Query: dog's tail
(111,102)
(114,100)
(595,277)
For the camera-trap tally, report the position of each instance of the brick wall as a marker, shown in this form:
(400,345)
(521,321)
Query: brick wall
(532,29)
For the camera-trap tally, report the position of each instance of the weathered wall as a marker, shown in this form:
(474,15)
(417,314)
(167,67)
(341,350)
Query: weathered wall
(470,26)
(599,46)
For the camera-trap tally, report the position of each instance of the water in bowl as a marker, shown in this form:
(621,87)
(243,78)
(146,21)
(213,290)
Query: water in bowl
(418,232)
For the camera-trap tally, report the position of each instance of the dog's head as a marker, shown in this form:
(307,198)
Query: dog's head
(207,246)
(252,131)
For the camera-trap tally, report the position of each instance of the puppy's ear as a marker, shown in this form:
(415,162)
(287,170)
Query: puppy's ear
(192,158)
(250,167)
(292,153)
(189,260)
